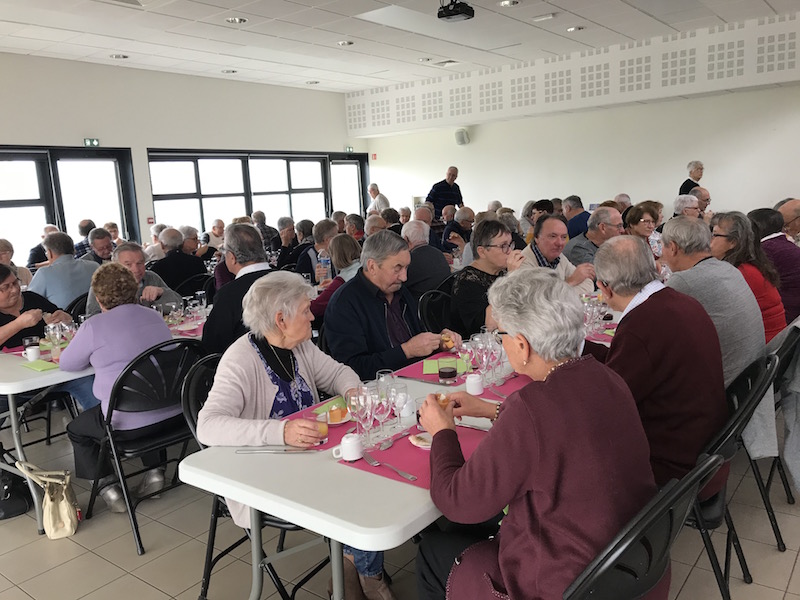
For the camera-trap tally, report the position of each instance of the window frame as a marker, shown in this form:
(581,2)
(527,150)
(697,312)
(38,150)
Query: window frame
(323,158)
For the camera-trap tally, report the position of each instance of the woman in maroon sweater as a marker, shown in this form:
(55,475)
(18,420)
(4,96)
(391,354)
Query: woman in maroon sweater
(733,241)
(567,455)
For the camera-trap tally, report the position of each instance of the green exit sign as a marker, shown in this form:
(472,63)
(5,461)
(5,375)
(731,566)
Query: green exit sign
(91,142)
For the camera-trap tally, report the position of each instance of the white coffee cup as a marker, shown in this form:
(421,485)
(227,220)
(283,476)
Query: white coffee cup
(474,384)
(350,448)
(33,353)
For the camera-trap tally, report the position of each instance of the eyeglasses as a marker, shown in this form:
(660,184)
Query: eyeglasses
(498,335)
(619,225)
(7,287)
(504,248)
(647,222)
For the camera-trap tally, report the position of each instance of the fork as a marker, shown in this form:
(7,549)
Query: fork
(374,463)
(388,442)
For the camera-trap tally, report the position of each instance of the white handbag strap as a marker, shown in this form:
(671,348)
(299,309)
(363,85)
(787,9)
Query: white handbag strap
(42,477)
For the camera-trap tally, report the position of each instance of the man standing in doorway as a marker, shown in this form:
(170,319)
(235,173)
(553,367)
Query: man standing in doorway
(445,192)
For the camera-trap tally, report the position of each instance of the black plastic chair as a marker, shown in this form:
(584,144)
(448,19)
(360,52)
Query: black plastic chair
(151,381)
(288,267)
(210,288)
(194,393)
(636,560)
(785,354)
(77,307)
(149,264)
(743,396)
(193,284)
(434,310)
(447,285)
(322,340)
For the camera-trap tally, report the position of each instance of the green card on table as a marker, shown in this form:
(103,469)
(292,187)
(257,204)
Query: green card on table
(326,406)
(430,366)
(40,365)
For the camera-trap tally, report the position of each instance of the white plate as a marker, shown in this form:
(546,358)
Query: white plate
(187,327)
(421,440)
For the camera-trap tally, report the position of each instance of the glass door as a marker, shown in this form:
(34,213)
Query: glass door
(346,187)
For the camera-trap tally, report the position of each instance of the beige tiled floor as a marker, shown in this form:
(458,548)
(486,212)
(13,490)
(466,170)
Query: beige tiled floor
(100,561)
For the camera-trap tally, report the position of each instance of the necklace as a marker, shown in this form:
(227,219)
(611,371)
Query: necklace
(289,372)
(561,364)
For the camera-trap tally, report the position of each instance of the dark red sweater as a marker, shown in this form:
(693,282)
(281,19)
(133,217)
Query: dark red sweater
(568,455)
(667,351)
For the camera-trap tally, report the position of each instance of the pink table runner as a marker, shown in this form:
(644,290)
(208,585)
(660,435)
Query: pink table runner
(605,335)
(335,432)
(192,333)
(407,457)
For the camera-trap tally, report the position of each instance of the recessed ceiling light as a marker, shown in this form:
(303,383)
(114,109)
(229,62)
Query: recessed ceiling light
(574,29)
(545,17)
(424,60)
(344,43)
(229,71)
(119,56)
(508,3)
(236,20)
(312,82)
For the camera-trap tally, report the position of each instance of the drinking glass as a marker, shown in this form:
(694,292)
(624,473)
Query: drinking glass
(82,319)
(400,400)
(171,313)
(201,298)
(359,403)
(382,407)
(69,330)
(384,379)
(53,334)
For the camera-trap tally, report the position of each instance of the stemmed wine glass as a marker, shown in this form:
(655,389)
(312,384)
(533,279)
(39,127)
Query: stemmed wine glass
(398,395)
(53,334)
(381,408)
(359,403)
(69,330)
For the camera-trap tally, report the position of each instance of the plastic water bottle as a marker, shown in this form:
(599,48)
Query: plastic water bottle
(324,259)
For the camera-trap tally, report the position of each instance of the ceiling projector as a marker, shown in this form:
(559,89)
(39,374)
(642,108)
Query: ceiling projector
(456,11)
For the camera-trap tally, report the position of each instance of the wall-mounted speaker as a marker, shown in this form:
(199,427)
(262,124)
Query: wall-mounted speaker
(462,137)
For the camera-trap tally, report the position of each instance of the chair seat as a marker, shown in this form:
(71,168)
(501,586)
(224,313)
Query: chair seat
(713,510)
(137,447)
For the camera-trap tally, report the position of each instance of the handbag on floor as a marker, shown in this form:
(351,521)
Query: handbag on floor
(60,511)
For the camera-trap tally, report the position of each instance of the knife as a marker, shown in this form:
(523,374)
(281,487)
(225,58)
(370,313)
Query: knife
(475,427)
(275,450)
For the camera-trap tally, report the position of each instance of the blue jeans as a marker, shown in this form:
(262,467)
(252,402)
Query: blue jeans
(80,389)
(368,564)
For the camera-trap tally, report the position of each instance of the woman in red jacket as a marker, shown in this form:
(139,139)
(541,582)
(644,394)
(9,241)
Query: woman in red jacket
(733,241)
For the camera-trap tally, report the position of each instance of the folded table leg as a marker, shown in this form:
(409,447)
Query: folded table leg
(255,554)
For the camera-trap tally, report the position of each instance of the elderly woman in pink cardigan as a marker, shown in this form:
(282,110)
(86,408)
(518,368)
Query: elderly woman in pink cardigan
(270,373)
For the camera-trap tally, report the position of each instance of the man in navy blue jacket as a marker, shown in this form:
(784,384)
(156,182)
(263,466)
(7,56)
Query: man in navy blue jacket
(371,321)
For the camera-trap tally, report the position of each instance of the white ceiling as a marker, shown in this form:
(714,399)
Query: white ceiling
(291,42)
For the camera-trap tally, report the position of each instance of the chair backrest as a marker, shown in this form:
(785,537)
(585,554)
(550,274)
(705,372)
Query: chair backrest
(149,264)
(447,285)
(636,560)
(195,283)
(288,267)
(153,379)
(77,307)
(743,394)
(196,387)
(434,310)
(322,342)
(210,288)
(786,352)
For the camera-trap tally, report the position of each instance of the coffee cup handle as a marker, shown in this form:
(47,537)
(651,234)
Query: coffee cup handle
(337,452)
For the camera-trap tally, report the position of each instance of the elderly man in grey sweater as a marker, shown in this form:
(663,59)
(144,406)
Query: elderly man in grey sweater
(728,300)
(152,288)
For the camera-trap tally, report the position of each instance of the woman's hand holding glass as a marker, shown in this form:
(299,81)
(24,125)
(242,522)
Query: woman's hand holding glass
(302,433)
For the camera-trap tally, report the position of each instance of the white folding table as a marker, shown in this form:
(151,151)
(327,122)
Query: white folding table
(312,490)
(17,379)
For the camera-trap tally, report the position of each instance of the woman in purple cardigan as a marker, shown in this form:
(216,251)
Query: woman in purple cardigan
(108,342)
(567,458)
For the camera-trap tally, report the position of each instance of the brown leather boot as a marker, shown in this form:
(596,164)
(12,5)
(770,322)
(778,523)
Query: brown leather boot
(352,585)
(375,588)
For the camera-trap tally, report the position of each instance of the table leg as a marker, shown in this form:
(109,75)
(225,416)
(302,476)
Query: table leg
(20,452)
(255,554)
(337,570)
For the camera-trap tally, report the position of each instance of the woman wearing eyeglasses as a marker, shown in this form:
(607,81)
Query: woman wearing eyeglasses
(492,246)
(733,241)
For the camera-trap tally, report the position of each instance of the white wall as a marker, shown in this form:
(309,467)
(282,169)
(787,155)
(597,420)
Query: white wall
(58,103)
(748,141)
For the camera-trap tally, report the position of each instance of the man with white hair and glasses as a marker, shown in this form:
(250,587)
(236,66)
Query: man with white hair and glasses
(675,373)
(371,321)
(695,169)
